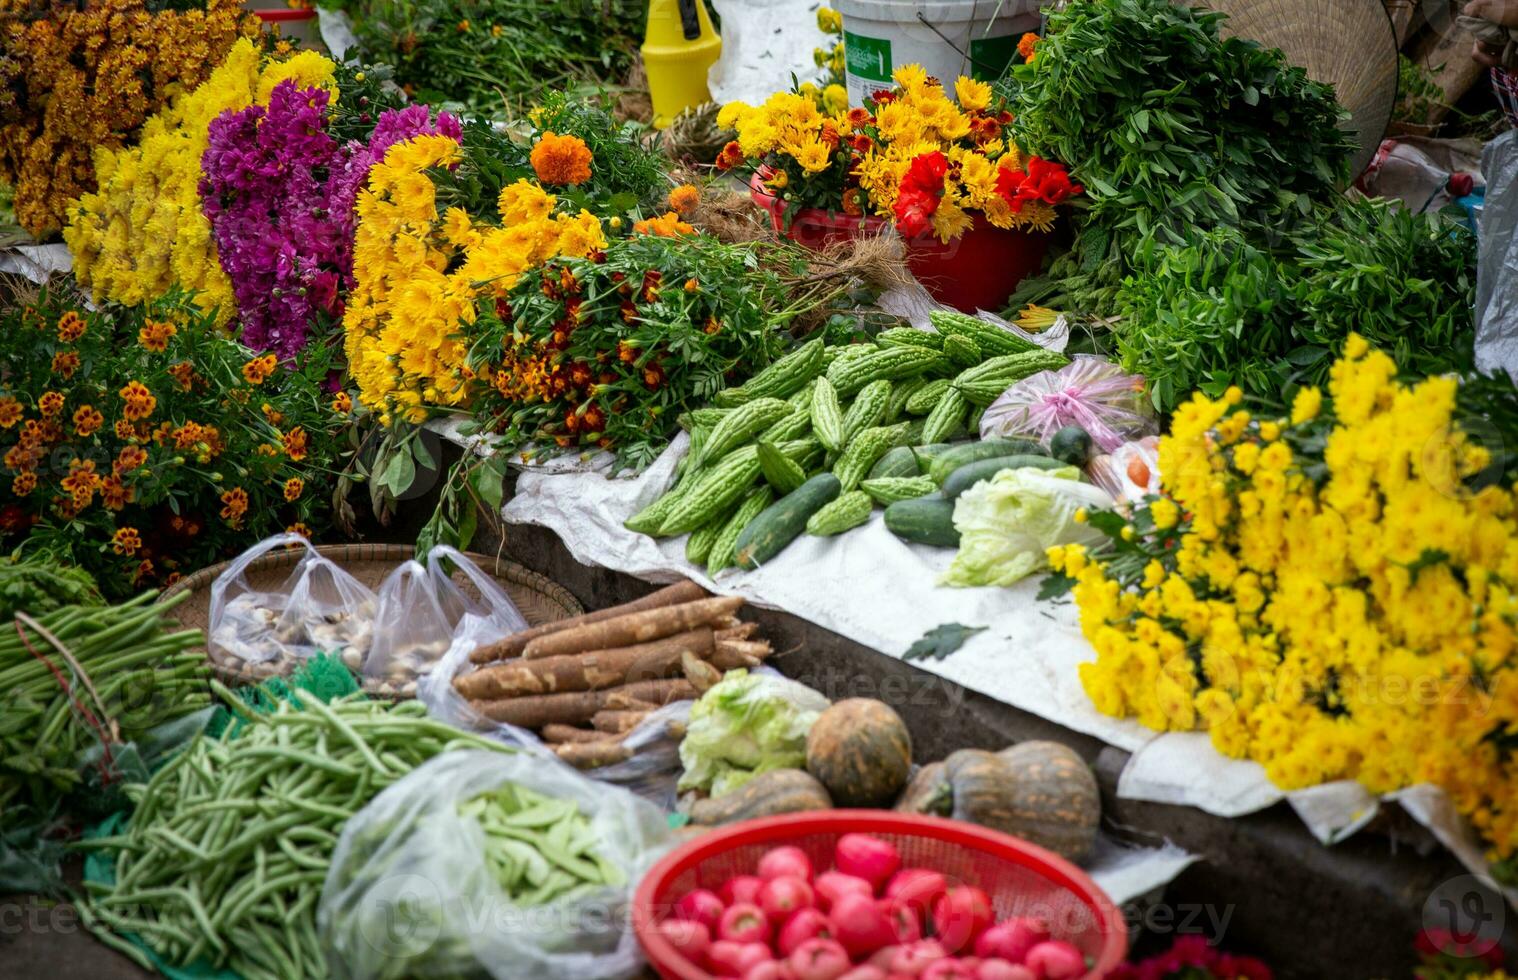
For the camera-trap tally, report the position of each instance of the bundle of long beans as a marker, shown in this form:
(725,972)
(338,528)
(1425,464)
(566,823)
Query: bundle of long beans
(80,676)
(225,856)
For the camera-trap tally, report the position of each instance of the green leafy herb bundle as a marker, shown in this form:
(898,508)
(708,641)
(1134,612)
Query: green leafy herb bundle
(1172,130)
(496,56)
(1223,311)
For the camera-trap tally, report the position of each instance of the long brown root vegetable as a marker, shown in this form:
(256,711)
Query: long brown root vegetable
(622,701)
(586,671)
(732,654)
(742,631)
(637,627)
(555,734)
(699,672)
(617,722)
(578,707)
(592,755)
(511,646)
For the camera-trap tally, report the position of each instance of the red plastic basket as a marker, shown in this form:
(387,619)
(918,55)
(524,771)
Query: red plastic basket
(979,270)
(1020,878)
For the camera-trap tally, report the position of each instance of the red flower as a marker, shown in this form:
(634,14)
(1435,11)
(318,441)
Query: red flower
(914,212)
(882,96)
(1042,181)
(926,173)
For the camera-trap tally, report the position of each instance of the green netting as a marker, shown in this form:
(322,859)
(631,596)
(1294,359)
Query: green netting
(324,675)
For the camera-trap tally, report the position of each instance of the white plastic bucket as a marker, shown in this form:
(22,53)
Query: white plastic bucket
(948,38)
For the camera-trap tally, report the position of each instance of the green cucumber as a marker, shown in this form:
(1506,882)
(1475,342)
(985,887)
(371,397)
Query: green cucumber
(924,520)
(901,461)
(783,521)
(970,474)
(969,452)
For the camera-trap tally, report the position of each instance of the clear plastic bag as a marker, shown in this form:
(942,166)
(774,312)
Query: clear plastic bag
(410,894)
(1129,473)
(653,768)
(319,607)
(1090,392)
(420,608)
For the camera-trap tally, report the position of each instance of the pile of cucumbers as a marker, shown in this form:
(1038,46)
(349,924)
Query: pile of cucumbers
(813,442)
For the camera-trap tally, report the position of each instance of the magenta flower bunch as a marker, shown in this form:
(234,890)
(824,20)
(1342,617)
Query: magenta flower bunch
(279,190)
(1193,958)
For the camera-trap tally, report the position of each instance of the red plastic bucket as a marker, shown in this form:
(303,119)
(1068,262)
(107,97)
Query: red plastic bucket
(1020,878)
(978,270)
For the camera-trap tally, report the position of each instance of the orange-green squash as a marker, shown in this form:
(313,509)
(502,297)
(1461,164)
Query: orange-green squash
(1042,792)
(766,795)
(859,748)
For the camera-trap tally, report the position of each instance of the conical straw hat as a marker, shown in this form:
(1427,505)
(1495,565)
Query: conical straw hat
(1349,44)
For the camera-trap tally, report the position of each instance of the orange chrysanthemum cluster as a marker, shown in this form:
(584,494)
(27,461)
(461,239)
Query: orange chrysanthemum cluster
(77,77)
(561,159)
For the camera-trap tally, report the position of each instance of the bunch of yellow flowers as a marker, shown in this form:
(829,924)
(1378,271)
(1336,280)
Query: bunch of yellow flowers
(1331,594)
(831,59)
(78,77)
(143,231)
(418,275)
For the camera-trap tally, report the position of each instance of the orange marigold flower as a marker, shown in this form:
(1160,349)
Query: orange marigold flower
(82,477)
(70,327)
(276,417)
(139,400)
(23,484)
(342,403)
(730,157)
(187,435)
(683,199)
(183,374)
(293,488)
(10,412)
(859,117)
(561,159)
(51,403)
(114,495)
(65,363)
(653,375)
(87,420)
(295,443)
(155,335)
(144,571)
(126,541)
(267,449)
(124,430)
(257,371)
(1027,45)
(235,505)
(299,527)
(713,325)
(171,579)
(129,459)
(666,225)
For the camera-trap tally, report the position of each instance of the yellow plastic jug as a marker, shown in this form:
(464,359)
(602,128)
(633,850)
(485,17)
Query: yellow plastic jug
(678,47)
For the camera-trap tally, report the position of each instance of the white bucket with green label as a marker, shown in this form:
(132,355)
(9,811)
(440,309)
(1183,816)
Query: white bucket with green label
(949,38)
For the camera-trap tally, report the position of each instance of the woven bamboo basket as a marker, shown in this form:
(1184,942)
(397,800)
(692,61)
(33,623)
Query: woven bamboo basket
(539,599)
(1349,44)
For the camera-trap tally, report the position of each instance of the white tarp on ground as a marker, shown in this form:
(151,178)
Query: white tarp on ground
(874,589)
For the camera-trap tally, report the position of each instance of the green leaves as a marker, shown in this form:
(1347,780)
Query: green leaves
(1172,130)
(940,641)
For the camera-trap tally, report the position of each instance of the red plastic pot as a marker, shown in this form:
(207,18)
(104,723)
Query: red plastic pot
(978,270)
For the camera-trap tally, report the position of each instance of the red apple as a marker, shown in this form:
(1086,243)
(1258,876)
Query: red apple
(690,939)
(1011,939)
(999,969)
(784,895)
(701,905)
(905,925)
(960,915)
(804,924)
(787,860)
(744,923)
(867,857)
(741,888)
(735,959)
(913,958)
(917,887)
(860,925)
(819,959)
(1056,960)
(831,885)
